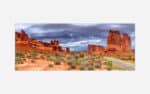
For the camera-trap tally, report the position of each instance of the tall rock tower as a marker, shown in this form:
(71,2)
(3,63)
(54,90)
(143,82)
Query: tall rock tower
(118,43)
(114,40)
(126,43)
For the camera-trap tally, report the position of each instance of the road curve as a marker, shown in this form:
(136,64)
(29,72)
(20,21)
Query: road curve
(123,64)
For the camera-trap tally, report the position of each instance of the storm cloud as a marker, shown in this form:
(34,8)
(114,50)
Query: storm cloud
(76,36)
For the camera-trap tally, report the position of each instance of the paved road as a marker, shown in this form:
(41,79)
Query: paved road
(123,64)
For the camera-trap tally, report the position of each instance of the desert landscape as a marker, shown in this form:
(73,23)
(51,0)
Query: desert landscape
(33,54)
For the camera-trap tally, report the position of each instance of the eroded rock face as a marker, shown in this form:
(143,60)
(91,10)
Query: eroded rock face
(22,36)
(122,44)
(26,43)
(117,44)
(126,43)
(114,40)
(95,49)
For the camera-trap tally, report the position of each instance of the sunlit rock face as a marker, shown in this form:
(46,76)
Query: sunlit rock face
(23,42)
(117,44)
(22,36)
(95,49)
(126,43)
(114,40)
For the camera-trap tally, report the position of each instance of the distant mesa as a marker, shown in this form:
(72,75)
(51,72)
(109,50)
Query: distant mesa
(95,49)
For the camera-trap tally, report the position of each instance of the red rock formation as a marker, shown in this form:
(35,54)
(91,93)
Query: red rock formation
(22,36)
(67,50)
(55,46)
(54,42)
(116,45)
(126,43)
(95,49)
(23,42)
(114,40)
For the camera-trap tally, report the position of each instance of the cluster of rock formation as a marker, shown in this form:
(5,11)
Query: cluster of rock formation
(23,42)
(21,36)
(116,44)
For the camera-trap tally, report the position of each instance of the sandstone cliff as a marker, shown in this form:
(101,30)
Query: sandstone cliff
(23,42)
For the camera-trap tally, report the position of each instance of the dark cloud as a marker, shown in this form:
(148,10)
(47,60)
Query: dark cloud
(77,36)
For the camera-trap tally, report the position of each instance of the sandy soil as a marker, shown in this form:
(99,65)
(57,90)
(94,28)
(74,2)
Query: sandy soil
(41,64)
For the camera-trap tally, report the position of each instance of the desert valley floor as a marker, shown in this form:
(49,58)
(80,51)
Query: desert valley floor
(74,61)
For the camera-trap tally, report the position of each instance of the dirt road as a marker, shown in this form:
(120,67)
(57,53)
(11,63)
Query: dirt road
(121,63)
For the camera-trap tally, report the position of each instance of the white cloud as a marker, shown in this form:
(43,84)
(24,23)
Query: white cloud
(82,43)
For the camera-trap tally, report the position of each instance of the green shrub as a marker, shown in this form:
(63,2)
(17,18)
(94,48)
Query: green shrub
(33,55)
(72,62)
(76,57)
(20,54)
(19,58)
(79,61)
(71,59)
(57,62)
(109,65)
(49,58)
(86,66)
(81,55)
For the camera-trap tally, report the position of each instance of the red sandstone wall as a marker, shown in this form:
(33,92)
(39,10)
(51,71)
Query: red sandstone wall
(25,43)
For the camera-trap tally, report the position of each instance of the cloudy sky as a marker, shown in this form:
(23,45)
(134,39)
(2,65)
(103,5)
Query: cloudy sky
(76,36)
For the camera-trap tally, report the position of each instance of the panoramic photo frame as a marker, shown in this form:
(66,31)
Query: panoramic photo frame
(74,46)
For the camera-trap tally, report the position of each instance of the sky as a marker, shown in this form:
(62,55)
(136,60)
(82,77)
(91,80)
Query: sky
(76,36)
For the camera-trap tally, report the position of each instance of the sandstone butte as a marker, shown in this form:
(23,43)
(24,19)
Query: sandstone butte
(116,44)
